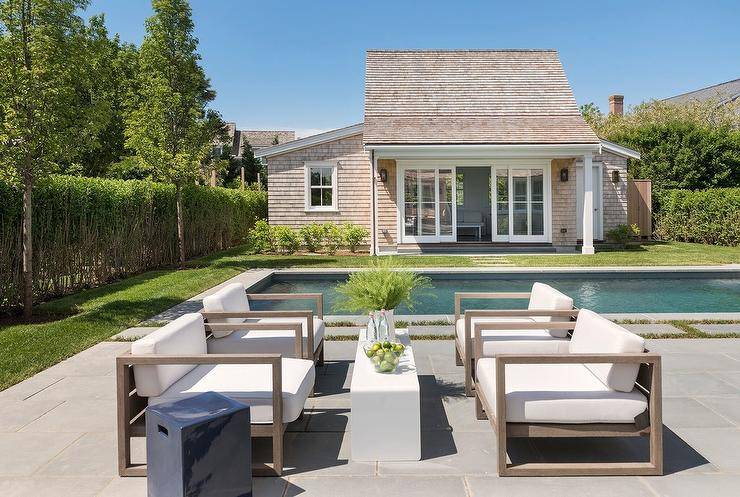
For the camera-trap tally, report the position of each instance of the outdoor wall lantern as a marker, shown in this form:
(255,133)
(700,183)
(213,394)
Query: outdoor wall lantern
(615,176)
(383,175)
(564,174)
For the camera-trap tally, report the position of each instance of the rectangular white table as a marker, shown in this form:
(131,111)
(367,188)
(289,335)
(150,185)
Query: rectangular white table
(386,408)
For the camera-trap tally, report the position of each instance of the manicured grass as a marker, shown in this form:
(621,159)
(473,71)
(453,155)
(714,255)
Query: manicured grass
(91,316)
(650,254)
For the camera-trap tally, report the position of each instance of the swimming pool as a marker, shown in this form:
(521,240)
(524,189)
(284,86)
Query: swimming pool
(604,293)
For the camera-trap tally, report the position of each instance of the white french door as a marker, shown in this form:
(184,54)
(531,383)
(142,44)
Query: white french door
(521,211)
(427,201)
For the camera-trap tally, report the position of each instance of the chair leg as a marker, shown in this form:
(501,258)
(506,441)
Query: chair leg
(480,413)
(320,361)
(469,378)
(277,454)
(458,359)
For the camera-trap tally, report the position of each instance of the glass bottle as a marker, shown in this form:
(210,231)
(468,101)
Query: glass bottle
(371,333)
(383,326)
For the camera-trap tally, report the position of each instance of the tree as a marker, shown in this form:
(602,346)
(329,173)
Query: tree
(591,113)
(168,126)
(691,146)
(41,51)
(105,85)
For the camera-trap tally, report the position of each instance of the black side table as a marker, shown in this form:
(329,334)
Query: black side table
(199,446)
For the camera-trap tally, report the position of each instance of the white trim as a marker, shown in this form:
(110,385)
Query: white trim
(587,247)
(309,141)
(598,233)
(548,151)
(546,166)
(619,150)
(307,166)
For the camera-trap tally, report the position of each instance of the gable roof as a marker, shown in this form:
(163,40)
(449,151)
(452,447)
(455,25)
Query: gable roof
(310,141)
(261,138)
(722,93)
(470,97)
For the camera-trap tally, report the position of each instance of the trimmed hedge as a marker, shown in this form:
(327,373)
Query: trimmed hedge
(703,216)
(88,231)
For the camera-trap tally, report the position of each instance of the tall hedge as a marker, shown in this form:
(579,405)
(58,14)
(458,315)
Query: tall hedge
(703,216)
(88,231)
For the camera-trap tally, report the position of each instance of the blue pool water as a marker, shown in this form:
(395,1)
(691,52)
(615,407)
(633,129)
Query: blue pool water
(601,294)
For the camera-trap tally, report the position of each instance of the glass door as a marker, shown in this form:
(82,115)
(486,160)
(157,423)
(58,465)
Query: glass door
(428,204)
(520,204)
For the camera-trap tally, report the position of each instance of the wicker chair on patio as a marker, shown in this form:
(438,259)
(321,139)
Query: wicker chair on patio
(608,385)
(546,304)
(174,363)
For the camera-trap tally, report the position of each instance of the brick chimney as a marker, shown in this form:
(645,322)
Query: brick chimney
(616,105)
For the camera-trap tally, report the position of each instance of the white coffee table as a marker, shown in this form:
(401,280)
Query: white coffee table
(386,408)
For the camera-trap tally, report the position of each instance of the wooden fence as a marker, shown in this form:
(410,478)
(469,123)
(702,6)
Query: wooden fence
(640,205)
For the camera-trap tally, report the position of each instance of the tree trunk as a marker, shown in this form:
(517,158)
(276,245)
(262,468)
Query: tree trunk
(180,225)
(27,241)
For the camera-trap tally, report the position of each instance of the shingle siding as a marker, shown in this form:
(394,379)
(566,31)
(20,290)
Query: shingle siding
(564,203)
(286,184)
(615,194)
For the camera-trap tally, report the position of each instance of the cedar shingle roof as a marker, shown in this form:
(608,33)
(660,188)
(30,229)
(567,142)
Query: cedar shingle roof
(470,96)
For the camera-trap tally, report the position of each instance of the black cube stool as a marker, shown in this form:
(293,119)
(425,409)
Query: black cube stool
(199,446)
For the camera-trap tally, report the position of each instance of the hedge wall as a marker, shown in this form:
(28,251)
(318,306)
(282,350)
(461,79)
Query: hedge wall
(88,231)
(702,216)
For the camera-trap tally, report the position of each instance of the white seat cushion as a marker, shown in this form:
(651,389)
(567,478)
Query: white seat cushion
(184,336)
(546,297)
(515,341)
(595,334)
(267,341)
(558,393)
(250,384)
(231,298)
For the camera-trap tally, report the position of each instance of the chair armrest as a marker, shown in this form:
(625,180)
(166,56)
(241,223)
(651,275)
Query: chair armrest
(317,297)
(297,329)
(460,296)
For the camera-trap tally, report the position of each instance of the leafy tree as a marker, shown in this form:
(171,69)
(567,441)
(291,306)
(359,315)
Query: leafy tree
(591,113)
(41,51)
(691,146)
(105,85)
(169,126)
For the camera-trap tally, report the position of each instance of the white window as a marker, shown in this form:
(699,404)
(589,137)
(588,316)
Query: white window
(321,186)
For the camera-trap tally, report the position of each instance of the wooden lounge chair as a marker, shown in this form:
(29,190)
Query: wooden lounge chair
(608,385)
(546,304)
(232,323)
(173,363)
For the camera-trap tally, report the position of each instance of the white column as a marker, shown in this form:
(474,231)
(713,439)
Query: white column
(588,205)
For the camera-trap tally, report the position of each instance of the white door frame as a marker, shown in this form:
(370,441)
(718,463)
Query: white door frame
(400,202)
(527,164)
(598,199)
(538,163)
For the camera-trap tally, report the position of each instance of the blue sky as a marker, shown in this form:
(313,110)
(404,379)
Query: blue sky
(299,65)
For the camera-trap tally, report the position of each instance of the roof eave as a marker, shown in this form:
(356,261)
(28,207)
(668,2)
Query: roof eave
(310,141)
(620,150)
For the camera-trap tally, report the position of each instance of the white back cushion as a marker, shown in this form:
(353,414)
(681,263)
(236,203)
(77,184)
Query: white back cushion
(183,336)
(597,335)
(231,298)
(546,297)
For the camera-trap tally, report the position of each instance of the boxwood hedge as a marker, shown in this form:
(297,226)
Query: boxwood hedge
(703,216)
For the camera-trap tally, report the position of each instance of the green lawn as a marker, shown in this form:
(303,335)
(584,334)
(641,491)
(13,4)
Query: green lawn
(652,254)
(91,316)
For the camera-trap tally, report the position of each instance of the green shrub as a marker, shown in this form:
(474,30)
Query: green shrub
(381,287)
(703,216)
(313,236)
(261,237)
(287,241)
(88,231)
(354,236)
(623,233)
(333,238)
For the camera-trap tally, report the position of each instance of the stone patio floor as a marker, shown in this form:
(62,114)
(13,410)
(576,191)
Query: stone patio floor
(57,434)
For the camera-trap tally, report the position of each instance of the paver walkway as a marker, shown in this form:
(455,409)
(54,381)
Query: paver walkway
(57,434)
